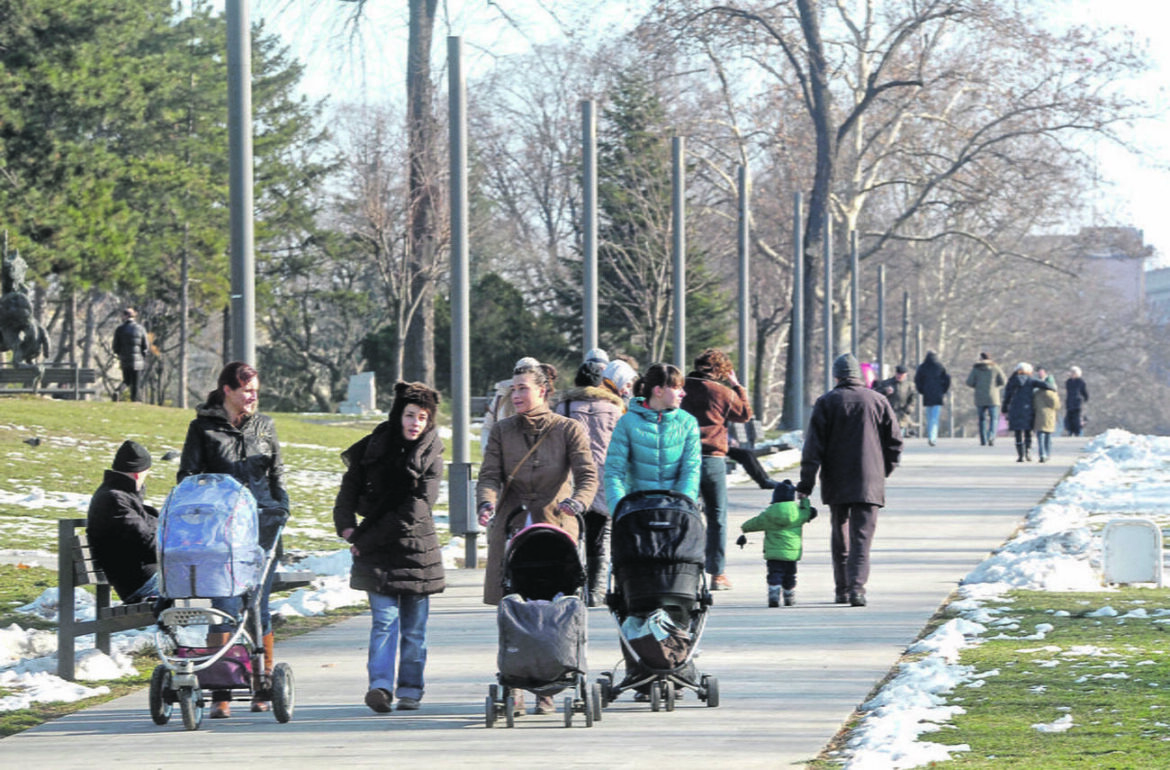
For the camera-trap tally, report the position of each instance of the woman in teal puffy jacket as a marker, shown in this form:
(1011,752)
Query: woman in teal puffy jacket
(655,445)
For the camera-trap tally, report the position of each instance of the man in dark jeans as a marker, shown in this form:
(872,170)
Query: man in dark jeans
(130,347)
(854,441)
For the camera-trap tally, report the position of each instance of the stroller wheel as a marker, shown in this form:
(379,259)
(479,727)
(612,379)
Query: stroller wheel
(283,696)
(191,706)
(711,684)
(160,682)
(568,711)
(655,696)
(668,689)
(489,712)
(510,710)
(595,701)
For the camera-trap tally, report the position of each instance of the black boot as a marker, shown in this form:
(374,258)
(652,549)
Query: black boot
(1028,452)
(1019,453)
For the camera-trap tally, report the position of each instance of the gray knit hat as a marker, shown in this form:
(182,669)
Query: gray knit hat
(846,367)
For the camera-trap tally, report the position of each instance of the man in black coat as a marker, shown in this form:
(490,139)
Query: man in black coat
(130,347)
(121,526)
(854,440)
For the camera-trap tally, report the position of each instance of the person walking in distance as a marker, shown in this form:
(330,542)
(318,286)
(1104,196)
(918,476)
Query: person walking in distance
(1018,405)
(715,397)
(1046,408)
(854,441)
(986,378)
(130,347)
(1076,396)
(933,382)
(899,391)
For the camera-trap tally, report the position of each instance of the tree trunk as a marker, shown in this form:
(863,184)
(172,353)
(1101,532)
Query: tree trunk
(419,359)
(184,312)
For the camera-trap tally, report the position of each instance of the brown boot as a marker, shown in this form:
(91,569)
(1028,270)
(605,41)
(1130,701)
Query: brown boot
(220,709)
(258,703)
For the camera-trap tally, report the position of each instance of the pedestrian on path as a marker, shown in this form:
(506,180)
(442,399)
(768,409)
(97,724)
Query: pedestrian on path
(1076,396)
(1018,406)
(854,441)
(933,382)
(538,465)
(782,523)
(1046,406)
(986,378)
(715,397)
(899,391)
(130,346)
(598,409)
(391,482)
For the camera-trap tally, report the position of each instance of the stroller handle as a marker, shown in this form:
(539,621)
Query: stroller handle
(523,509)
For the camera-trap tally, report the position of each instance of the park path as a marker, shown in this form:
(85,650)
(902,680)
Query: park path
(789,677)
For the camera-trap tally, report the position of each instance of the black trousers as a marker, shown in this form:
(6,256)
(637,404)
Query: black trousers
(747,458)
(853,528)
(782,572)
(130,379)
(597,529)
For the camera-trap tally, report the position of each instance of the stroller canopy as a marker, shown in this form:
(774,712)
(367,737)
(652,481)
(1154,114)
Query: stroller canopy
(658,526)
(541,561)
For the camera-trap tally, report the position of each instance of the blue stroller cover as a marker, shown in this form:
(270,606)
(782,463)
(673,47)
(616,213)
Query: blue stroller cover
(208,539)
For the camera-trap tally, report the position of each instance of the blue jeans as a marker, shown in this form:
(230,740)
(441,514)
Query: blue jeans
(394,616)
(932,422)
(1044,443)
(713,490)
(988,417)
(234,605)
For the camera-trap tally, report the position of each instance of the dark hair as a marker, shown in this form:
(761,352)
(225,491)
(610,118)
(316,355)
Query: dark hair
(714,363)
(658,375)
(589,375)
(984,357)
(234,375)
(413,393)
(545,374)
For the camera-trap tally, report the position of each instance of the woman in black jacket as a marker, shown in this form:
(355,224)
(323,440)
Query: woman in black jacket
(229,436)
(392,481)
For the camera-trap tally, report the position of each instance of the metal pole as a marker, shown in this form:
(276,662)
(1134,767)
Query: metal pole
(828,306)
(744,280)
(881,322)
(678,184)
(797,377)
(918,360)
(905,327)
(243,296)
(589,225)
(855,314)
(461,518)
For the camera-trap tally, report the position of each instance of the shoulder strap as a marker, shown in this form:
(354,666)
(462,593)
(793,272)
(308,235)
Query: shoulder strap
(512,474)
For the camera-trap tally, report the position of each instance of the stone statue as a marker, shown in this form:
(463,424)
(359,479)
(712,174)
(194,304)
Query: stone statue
(18,331)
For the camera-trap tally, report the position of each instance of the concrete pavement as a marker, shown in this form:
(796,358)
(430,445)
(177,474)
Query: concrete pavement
(788,677)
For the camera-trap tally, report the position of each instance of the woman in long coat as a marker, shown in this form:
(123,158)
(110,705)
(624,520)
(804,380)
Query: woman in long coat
(537,460)
(392,481)
(1017,405)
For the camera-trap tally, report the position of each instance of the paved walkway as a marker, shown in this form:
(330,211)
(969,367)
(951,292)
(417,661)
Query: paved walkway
(789,677)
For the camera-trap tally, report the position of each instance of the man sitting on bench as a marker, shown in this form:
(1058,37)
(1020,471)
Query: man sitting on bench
(121,527)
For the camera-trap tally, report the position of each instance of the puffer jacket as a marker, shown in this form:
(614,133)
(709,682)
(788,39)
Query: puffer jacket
(121,530)
(249,453)
(782,525)
(932,380)
(986,378)
(391,485)
(130,345)
(1046,405)
(653,450)
(1017,400)
(599,410)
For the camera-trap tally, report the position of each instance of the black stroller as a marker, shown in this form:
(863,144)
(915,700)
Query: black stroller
(208,545)
(658,596)
(543,624)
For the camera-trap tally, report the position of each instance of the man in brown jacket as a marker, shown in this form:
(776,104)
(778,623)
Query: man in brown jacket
(854,440)
(715,397)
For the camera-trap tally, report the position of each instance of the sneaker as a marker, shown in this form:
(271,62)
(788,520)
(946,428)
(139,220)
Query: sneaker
(857,598)
(378,700)
(545,705)
(721,583)
(790,598)
(407,704)
(841,597)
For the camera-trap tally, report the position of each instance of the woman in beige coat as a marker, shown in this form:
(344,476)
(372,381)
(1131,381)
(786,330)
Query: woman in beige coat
(1046,408)
(535,459)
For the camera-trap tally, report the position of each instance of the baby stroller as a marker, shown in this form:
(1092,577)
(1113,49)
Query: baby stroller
(543,622)
(658,596)
(208,548)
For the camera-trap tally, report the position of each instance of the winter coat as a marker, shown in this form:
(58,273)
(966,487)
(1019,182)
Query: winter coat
(599,410)
(653,450)
(782,525)
(1017,400)
(1076,393)
(130,345)
(986,378)
(121,528)
(249,453)
(1046,406)
(560,468)
(931,380)
(714,404)
(901,395)
(392,484)
(854,440)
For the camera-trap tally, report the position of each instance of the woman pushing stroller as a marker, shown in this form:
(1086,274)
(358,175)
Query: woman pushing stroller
(537,461)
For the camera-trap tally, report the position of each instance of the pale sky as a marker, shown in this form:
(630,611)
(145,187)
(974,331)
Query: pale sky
(1134,190)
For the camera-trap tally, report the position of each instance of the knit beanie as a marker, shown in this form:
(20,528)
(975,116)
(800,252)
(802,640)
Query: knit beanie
(132,457)
(597,355)
(589,375)
(784,492)
(846,367)
(620,374)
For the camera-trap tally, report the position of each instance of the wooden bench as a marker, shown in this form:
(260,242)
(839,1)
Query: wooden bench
(76,567)
(69,381)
